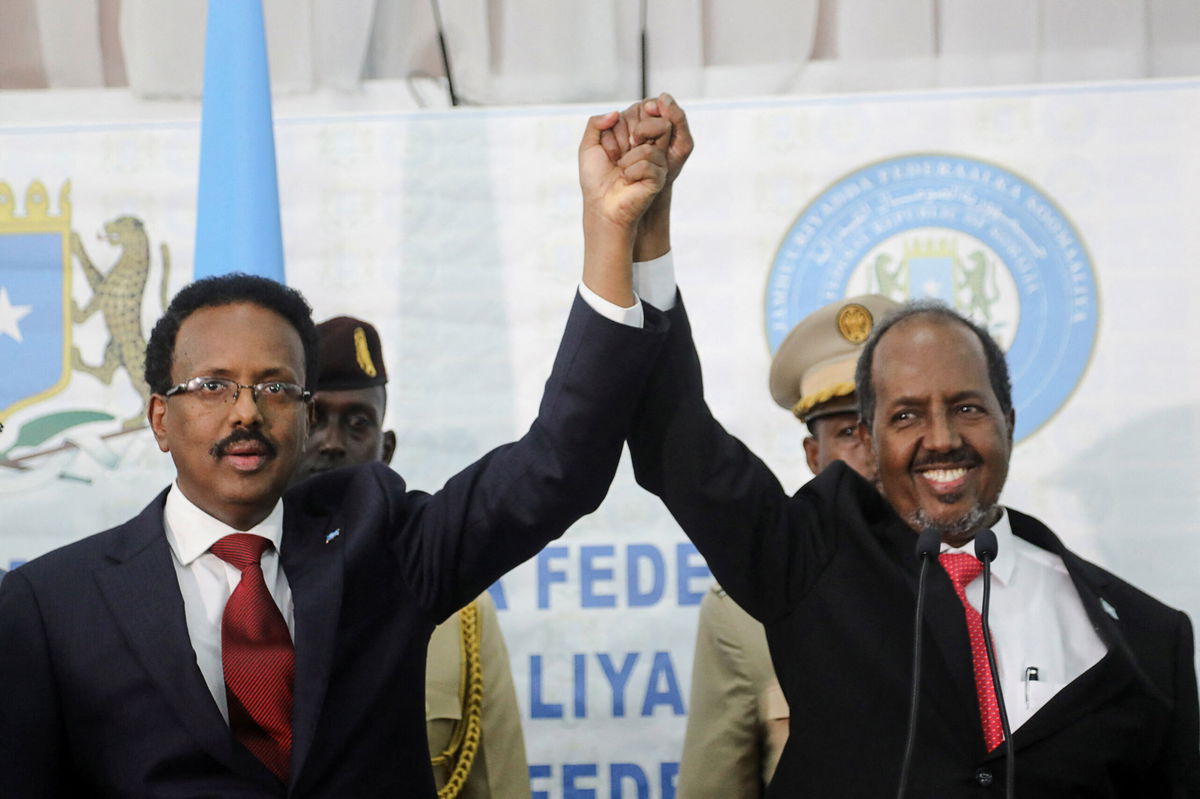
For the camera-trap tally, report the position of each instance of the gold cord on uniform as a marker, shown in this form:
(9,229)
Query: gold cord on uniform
(464,744)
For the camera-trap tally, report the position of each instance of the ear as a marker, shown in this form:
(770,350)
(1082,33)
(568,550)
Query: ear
(389,446)
(812,451)
(156,415)
(1011,419)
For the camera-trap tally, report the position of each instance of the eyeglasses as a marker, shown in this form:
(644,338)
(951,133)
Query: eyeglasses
(223,391)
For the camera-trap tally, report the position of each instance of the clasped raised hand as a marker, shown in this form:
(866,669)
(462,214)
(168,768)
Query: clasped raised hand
(617,191)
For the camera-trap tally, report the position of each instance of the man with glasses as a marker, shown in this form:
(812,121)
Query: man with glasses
(236,641)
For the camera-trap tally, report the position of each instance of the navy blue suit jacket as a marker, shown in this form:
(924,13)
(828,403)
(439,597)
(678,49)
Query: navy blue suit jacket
(100,694)
(831,573)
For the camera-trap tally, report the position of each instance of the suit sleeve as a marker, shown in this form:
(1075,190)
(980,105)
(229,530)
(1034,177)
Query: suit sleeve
(723,748)
(501,770)
(1182,755)
(34,761)
(501,510)
(764,547)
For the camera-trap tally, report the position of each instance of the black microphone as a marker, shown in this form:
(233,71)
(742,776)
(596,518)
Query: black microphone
(928,544)
(985,550)
(986,546)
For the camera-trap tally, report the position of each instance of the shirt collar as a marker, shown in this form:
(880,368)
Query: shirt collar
(1006,558)
(191,531)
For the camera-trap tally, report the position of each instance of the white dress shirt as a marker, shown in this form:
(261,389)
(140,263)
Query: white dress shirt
(653,281)
(1037,622)
(1036,617)
(206,581)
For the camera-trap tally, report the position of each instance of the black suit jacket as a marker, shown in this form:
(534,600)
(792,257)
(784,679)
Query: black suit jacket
(831,573)
(100,694)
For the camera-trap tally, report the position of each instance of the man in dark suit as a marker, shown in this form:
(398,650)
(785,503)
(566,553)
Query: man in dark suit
(1099,677)
(236,641)
(472,719)
(737,717)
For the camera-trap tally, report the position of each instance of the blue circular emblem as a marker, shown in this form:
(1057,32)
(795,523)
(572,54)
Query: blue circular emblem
(967,232)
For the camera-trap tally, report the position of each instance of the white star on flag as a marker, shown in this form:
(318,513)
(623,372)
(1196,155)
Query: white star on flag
(11,314)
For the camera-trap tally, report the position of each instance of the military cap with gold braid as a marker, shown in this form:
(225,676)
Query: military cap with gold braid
(351,355)
(812,374)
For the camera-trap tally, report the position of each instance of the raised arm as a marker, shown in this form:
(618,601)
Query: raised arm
(504,508)
(654,229)
(722,495)
(617,190)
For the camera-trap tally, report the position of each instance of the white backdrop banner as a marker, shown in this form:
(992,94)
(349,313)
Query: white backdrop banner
(1062,218)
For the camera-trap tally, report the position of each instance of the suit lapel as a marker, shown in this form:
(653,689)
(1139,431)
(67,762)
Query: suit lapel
(1104,680)
(946,625)
(313,560)
(142,592)
(1096,687)
(948,678)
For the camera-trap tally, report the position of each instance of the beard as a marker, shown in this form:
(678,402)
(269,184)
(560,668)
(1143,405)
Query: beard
(956,532)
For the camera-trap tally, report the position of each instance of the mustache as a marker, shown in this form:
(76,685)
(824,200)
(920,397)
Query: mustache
(221,448)
(963,456)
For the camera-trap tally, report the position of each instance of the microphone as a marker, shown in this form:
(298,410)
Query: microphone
(985,550)
(928,544)
(986,546)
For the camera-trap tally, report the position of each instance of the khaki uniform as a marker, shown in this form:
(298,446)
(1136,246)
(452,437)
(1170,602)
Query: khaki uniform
(737,718)
(499,769)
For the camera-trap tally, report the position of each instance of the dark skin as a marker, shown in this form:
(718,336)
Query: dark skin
(940,439)
(347,430)
(835,437)
(233,461)
(616,195)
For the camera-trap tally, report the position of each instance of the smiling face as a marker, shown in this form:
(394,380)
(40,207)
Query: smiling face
(233,460)
(939,436)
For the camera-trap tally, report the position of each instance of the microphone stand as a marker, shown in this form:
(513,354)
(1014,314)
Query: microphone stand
(645,60)
(441,34)
(928,543)
(985,550)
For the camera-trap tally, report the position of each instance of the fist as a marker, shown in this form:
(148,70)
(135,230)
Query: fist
(620,189)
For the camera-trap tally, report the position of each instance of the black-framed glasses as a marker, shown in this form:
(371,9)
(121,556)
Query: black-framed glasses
(223,391)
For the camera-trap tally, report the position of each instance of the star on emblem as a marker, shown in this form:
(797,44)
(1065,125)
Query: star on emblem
(932,288)
(11,314)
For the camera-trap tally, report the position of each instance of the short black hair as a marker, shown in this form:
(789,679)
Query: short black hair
(211,292)
(997,366)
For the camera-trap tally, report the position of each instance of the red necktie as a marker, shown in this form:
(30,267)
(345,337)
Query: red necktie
(963,568)
(257,656)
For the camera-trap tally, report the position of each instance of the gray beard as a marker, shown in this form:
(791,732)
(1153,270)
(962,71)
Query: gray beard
(958,531)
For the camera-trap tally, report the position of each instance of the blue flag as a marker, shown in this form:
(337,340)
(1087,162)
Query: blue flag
(237,213)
